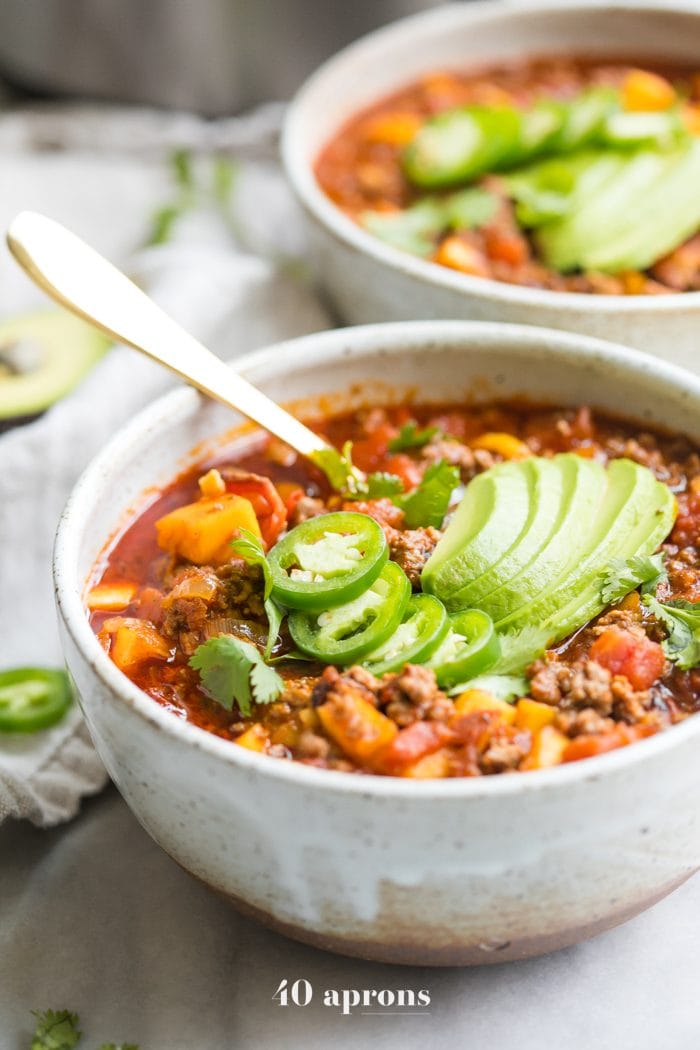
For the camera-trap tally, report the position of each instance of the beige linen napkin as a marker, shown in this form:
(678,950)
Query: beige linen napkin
(105,173)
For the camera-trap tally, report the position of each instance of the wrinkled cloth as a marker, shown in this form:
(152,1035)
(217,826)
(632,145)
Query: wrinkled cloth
(227,279)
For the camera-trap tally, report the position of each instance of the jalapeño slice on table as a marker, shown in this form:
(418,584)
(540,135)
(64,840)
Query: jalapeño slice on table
(470,647)
(32,698)
(423,627)
(345,633)
(327,560)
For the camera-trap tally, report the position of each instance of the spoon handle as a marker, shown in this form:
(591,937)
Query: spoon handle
(83,281)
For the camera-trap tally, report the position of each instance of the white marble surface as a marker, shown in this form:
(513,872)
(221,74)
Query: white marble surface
(94,917)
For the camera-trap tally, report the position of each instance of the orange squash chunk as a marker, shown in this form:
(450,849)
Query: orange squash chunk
(202,531)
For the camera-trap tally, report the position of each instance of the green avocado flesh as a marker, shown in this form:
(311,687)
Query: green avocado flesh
(42,357)
(537,571)
(627,222)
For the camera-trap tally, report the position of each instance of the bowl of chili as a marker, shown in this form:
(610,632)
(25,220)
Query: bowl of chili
(381,773)
(511,162)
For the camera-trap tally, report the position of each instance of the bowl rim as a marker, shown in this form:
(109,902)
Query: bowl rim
(360,341)
(299,168)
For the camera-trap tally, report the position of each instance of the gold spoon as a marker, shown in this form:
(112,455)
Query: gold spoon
(83,281)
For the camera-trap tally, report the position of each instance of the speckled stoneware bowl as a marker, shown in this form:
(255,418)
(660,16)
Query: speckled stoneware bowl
(370,281)
(435,872)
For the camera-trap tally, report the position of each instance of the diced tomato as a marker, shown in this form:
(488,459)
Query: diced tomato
(640,660)
(404,467)
(266,500)
(686,531)
(368,453)
(411,744)
(586,746)
(506,246)
(476,728)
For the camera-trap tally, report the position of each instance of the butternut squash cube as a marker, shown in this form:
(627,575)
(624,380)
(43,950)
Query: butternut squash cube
(201,532)
(358,728)
(475,700)
(643,91)
(533,714)
(503,444)
(548,749)
(134,643)
(255,738)
(430,767)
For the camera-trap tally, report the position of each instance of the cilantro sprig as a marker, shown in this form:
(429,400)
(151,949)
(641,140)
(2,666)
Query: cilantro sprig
(58,1030)
(350,482)
(427,504)
(682,622)
(624,575)
(55,1030)
(412,436)
(249,547)
(232,669)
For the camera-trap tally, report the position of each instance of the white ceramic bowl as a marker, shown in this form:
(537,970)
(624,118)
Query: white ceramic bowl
(441,872)
(371,281)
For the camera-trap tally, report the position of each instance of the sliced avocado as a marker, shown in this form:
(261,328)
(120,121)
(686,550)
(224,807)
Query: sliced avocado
(635,513)
(546,484)
(602,216)
(530,552)
(491,516)
(583,484)
(644,521)
(45,355)
(666,216)
(585,118)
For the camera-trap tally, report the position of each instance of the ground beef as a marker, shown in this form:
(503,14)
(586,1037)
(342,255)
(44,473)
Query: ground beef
(334,687)
(297,691)
(307,507)
(506,749)
(587,689)
(585,721)
(627,617)
(583,683)
(312,745)
(185,614)
(411,550)
(470,461)
(412,696)
(680,270)
(243,590)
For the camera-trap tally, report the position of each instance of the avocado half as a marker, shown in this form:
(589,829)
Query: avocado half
(43,356)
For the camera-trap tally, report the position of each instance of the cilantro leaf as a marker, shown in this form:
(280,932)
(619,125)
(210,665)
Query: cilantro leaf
(682,621)
(519,648)
(427,504)
(376,486)
(626,574)
(337,466)
(411,436)
(249,547)
(231,669)
(349,481)
(55,1030)
(503,686)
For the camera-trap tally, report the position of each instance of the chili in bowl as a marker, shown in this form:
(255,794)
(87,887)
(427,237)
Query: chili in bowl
(375,684)
(533,164)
